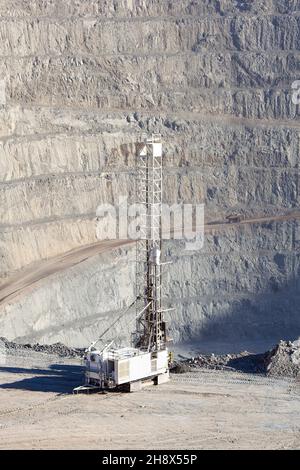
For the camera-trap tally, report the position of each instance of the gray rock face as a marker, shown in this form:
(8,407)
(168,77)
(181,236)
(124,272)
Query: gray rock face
(82,81)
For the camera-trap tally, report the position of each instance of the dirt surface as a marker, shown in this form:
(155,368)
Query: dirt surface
(204,409)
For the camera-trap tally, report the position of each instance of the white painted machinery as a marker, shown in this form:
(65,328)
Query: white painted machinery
(148,357)
(111,368)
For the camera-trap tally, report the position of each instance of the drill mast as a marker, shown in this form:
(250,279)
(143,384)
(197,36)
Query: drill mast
(150,332)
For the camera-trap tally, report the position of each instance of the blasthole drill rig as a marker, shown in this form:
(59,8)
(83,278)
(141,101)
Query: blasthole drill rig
(148,357)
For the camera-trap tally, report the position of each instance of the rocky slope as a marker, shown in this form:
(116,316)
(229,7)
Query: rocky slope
(83,80)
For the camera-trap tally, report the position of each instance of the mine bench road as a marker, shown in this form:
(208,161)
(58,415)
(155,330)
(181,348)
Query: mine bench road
(25,280)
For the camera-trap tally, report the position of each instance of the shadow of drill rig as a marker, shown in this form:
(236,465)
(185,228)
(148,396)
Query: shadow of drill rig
(58,378)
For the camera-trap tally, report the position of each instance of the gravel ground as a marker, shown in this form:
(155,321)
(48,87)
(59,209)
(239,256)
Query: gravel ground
(58,349)
(281,361)
(202,409)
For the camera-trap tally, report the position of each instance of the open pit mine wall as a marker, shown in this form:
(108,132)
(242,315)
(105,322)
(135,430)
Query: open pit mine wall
(243,285)
(79,83)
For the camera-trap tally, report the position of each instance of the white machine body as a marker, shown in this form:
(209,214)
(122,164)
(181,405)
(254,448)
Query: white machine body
(110,368)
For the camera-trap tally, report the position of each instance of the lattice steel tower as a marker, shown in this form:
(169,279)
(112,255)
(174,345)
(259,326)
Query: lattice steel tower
(150,332)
